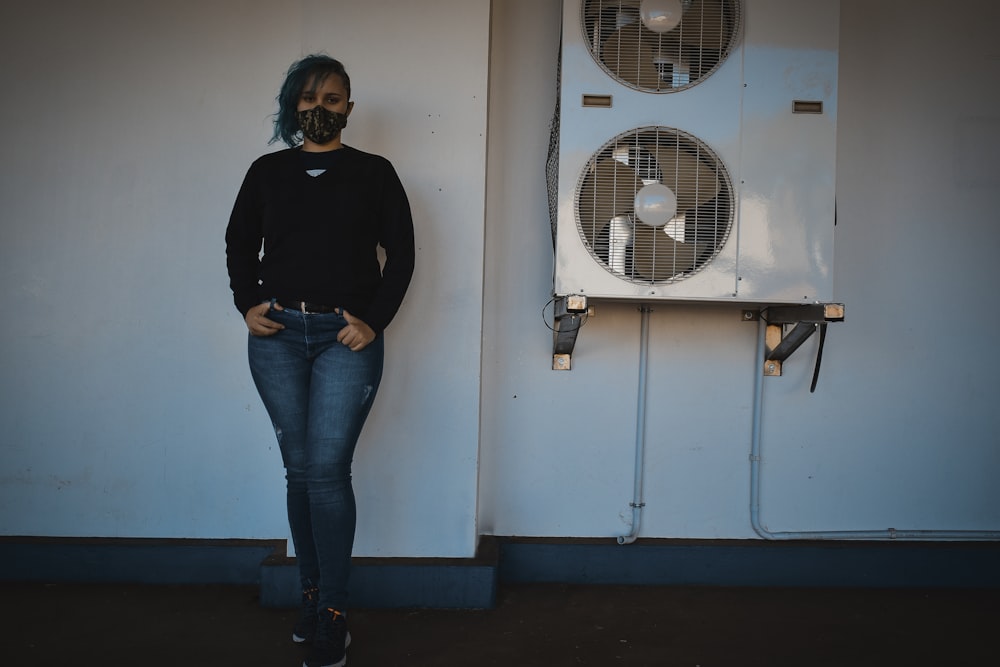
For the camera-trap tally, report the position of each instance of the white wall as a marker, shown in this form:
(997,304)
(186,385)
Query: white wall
(906,425)
(901,431)
(127,405)
(127,128)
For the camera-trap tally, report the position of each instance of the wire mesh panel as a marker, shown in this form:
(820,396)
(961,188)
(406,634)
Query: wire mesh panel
(661,46)
(654,205)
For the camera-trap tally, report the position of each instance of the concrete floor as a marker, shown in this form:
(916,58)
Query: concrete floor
(544,625)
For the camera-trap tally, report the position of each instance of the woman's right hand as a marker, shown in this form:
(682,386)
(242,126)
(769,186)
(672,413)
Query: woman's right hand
(258,322)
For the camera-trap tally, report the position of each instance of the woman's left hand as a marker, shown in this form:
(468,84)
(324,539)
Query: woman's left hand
(356,335)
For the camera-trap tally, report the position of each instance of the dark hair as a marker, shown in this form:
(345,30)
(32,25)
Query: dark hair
(310,71)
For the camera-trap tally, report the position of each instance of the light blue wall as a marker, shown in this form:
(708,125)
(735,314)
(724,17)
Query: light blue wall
(127,406)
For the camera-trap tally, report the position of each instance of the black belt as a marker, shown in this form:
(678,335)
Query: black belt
(306,307)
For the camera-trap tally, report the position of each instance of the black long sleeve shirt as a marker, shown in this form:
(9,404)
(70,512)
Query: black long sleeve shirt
(320,234)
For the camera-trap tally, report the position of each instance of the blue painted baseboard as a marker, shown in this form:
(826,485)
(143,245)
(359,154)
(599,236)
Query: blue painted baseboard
(435,583)
(146,561)
(753,563)
(442,583)
(472,583)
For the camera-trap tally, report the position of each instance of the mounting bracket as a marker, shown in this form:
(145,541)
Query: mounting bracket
(804,320)
(567,318)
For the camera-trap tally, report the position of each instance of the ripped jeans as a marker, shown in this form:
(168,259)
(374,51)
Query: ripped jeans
(317,393)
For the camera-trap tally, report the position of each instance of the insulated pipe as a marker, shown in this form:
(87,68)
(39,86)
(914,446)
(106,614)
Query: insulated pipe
(640,430)
(755,459)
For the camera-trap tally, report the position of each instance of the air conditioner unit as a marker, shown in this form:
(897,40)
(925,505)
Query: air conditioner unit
(696,150)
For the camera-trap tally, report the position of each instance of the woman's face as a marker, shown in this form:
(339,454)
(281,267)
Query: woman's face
(330,94)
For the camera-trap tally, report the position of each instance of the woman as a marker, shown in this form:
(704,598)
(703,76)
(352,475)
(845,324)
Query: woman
(316,303)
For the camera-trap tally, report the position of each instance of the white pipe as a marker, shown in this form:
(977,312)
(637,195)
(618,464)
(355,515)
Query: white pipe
(755,459)
(640,430)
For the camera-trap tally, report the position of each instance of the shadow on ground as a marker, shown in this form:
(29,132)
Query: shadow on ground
(544,625)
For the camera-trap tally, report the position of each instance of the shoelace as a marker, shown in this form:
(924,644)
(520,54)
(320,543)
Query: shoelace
(330,630)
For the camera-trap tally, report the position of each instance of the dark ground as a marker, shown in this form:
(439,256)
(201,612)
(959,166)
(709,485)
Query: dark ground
(86,624)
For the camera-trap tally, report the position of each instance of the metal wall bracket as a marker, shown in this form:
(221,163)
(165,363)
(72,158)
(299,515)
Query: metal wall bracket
(804,321)
(568,315)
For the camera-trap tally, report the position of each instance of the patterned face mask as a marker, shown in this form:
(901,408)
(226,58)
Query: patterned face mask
(320,125)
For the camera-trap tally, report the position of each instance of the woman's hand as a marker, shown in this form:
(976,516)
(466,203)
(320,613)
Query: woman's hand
(356,335)
(259,324)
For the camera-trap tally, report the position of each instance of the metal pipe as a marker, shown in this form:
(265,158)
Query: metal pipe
(755,461)
(640,430)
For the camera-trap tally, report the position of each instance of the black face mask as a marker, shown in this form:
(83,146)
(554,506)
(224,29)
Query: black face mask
(319,125)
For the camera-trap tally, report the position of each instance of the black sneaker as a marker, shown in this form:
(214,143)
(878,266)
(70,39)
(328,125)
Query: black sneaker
(329,647)
(305,627)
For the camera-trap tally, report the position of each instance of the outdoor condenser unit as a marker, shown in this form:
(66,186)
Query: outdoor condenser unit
(696,151)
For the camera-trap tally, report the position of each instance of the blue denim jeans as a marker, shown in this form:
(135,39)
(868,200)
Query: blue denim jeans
(317,393)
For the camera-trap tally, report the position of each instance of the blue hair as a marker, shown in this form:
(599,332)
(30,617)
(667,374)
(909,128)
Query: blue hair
(311,71)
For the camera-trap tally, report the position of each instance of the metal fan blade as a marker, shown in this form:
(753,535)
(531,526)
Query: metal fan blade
(692,181)
(607,191)
(703,24)
(611,14)
(629,52)
(656,256)
(616,4)
(597,6)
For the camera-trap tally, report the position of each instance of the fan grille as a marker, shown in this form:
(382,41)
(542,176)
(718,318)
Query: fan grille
(612,197)
(665,61)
